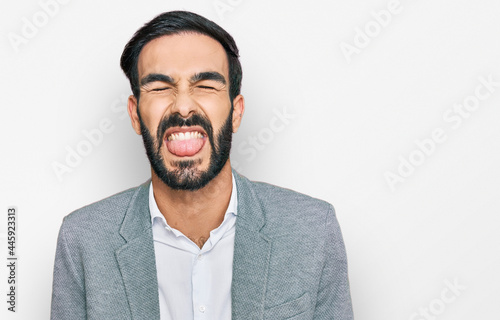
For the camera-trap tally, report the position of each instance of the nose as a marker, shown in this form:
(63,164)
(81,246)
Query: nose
(184,104)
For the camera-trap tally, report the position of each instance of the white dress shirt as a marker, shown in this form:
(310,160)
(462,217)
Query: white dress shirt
(194,283)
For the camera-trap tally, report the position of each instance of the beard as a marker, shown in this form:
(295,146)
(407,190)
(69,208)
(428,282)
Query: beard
(185,175)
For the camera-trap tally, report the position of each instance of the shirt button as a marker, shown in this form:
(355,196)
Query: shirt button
(200,256)
(202,309)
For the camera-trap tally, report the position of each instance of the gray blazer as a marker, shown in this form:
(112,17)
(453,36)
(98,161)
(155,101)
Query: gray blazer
(289,259)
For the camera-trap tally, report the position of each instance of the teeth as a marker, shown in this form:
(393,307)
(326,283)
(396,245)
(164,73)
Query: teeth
(185,136)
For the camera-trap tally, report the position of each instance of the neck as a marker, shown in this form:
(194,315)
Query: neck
(195,213)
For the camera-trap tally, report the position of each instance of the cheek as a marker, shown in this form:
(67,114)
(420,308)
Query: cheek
(216,109)
(151,114)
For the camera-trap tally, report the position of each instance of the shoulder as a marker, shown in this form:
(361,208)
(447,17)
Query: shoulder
(102,215)
(272,196)
(284,209)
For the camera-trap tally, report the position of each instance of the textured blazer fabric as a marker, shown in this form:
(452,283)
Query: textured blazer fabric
(289,259)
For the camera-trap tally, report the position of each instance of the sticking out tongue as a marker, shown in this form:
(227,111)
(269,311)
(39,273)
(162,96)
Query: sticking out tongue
(185,148)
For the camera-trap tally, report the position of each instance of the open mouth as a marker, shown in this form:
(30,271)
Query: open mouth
(185,141)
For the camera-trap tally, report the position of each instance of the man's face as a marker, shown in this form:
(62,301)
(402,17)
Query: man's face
(184,112)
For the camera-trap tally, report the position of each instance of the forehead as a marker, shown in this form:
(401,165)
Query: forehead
(182,55)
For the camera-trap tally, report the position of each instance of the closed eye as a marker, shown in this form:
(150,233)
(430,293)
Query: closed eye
(206,87)
(160,89)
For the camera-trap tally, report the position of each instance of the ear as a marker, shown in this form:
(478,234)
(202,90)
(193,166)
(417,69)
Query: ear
(238,110)
(132,112)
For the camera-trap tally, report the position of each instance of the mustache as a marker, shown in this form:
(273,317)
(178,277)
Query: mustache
(175,120)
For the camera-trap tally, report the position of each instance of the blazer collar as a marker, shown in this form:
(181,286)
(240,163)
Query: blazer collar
(249,207)
(252,250)
(136,258)
(137,219)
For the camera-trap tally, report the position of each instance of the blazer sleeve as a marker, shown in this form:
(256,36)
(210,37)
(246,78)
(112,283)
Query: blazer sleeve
(68,291)
(334,299)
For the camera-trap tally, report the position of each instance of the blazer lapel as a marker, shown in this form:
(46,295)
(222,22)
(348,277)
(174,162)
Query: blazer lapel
(252,251)
(136,258)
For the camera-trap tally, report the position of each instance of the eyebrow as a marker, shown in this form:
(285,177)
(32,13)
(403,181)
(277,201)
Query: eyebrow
(152,77)
(208,75)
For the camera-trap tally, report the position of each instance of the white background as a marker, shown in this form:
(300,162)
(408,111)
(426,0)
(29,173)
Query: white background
(349,124)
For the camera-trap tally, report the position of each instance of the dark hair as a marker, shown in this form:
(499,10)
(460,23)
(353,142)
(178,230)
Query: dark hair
(175,22)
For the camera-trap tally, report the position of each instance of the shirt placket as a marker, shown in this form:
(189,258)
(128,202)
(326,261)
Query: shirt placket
(201,286)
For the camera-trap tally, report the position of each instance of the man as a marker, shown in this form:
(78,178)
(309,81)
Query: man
(197,241)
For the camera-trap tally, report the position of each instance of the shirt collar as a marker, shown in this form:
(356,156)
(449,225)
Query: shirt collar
(232,208)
